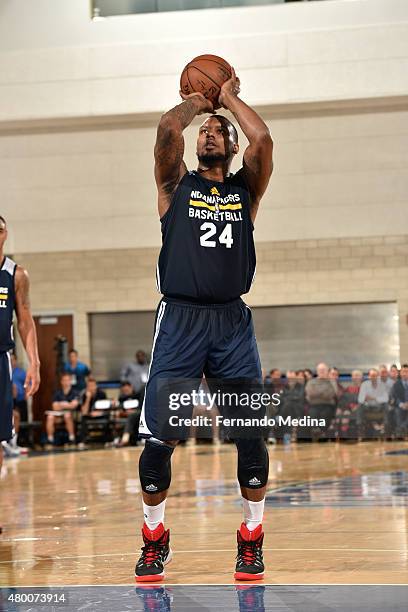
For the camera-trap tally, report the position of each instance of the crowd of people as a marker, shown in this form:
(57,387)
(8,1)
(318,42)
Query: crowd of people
(352,408)
(356,408)
(79,407)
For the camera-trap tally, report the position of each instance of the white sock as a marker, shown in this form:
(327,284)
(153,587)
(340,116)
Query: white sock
(253,513)
(154,515)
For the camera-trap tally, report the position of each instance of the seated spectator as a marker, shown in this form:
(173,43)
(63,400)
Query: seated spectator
(88,411)
(394,373)
(292,403)
(385,378)
(64,402)
(399,398)
(133,416)
(308,374)
(321,396)
(78,371)
(136,372)
(373,395)
(334,376)
(273,384)
(347,407)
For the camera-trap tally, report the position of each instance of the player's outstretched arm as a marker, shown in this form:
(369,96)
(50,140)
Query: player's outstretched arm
(258,163)
(26,328)
(169,167)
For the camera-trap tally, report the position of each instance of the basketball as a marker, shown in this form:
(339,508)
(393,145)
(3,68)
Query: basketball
(205,74)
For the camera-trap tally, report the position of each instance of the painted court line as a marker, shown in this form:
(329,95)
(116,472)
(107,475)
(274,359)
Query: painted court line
(209,550)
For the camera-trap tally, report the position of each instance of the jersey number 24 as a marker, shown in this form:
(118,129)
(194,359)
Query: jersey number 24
(210,230)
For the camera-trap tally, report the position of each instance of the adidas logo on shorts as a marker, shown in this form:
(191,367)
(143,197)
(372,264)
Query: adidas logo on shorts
(254,481)
(151,487)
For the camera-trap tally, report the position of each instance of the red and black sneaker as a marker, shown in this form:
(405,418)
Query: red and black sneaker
(249,558)
(156,553)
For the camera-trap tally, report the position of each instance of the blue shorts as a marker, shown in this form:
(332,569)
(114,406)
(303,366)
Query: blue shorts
(191,339)
(6,398)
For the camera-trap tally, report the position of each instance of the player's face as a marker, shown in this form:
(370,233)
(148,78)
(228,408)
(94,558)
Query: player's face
(3,233)
(214,142)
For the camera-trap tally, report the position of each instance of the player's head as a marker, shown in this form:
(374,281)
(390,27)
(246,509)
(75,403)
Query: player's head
(3,231)
(217,141)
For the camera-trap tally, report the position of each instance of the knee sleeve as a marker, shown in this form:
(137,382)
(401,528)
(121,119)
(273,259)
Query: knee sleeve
(253,463)
(155,467)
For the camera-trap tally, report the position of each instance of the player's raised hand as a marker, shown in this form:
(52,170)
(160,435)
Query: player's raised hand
(206,105)
(230,88)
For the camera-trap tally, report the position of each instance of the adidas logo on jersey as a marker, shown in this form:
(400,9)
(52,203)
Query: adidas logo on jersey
(151,487)
(254,481)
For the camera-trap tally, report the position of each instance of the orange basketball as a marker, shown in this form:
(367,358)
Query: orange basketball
(205,74)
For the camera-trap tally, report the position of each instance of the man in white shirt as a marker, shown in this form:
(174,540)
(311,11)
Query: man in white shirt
(373,395)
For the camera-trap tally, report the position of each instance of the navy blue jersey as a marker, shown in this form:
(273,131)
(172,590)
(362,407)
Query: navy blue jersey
(208,252)
(7,304)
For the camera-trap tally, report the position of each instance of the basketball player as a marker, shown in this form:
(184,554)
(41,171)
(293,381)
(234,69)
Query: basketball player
(206,263)
(14,295)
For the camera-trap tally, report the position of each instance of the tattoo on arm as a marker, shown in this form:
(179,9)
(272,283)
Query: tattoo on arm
(169,147)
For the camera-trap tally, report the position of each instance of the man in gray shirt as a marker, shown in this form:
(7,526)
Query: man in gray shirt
(136,372)
(321,396)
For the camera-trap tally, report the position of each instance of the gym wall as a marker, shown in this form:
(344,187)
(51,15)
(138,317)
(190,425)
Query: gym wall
(78,108)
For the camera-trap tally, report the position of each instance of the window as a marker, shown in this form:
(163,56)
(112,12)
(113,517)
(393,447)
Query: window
(109,8)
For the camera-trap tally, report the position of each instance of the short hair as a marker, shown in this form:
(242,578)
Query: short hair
(3,219)
(230,126)
(91,379)
(73,351)
(65,374)
(125,382)
(404,365)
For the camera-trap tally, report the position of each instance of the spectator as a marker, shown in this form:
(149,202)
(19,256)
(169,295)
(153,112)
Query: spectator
(334,376)
(394,373)
(399,397)
(136,372)
(273,384)
(78,371)
(300,377)
(64,402)
(385,378)
(133,416)
(308,374)
(373,394)
(88,412)
(373,391)
(292,402)
(322,397)
(347,407)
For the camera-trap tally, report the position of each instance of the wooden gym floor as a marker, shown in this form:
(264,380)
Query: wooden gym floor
(335,514)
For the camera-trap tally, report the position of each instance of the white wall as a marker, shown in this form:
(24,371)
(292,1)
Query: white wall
(55,62)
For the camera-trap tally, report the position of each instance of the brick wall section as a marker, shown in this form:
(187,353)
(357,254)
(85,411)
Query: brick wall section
(368,269)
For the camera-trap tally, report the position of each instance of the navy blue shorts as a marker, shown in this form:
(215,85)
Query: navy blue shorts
(191,339)
(6,398)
